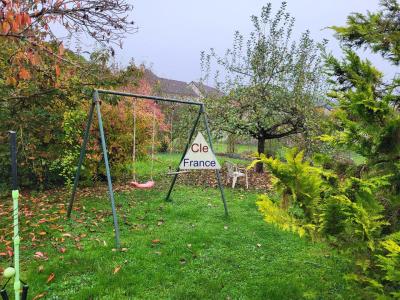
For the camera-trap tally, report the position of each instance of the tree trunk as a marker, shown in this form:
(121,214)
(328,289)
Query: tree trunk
(260,149)
(231,141)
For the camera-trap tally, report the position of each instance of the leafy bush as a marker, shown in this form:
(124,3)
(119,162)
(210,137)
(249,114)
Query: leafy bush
(299,183)
(389,263)
(351,224)
(282,218)
(344,211)
(49,113)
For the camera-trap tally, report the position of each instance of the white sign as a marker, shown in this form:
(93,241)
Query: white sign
(199,156)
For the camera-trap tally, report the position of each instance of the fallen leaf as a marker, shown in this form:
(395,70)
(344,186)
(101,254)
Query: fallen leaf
(50,278)
(40,255)
(40,269)
(156,241)
(116,269)
(79,246)
(39,296)
(258,245)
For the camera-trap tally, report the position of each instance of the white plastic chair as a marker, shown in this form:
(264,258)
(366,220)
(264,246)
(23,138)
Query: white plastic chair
(235,172)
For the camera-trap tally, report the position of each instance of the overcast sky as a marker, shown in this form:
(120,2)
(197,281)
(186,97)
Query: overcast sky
(172,33)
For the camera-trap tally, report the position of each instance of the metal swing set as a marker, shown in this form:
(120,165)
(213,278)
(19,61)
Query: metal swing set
(96,104)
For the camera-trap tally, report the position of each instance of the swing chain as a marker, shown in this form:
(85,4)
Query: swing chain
(153,140)
(153,137)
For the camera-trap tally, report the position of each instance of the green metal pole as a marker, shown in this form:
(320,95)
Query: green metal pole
(81,158)
(216,171)
(184,153)
(109,181)
(15,195)
(17,282)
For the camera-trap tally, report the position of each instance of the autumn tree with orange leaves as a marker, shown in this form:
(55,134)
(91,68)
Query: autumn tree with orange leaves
(43,85)
(28,24)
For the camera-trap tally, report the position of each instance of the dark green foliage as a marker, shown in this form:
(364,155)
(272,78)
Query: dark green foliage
(376,31)
(366,120)
(389,143)
(344,209)
(48,112)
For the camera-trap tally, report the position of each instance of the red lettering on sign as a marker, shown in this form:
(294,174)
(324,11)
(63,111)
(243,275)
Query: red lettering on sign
(199,148)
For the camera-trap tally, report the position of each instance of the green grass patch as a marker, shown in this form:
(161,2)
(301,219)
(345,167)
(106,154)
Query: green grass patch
(185,249)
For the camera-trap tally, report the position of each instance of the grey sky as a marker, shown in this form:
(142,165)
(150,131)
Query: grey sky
(172,33)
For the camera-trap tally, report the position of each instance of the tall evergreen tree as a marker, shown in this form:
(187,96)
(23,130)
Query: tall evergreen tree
(367,116)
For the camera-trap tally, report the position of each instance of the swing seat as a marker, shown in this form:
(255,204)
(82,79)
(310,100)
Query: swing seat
(147,185)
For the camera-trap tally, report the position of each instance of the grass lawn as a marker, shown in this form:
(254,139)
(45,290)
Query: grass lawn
(186,249)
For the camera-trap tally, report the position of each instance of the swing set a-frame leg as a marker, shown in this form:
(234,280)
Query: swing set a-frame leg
(217,173)
(184,153)
(96,103)
(81,158)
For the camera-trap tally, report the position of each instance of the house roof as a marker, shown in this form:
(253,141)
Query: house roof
(169,86)
(178,88)
(206,90)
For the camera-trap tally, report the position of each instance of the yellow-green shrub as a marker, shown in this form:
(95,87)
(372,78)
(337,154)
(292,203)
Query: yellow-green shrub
(273,214)
(389,263)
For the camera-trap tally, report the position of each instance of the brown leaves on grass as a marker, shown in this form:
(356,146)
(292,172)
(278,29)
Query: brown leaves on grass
(41,222)
(39,296)
(207,178)
(40,255)
(43,226)
(50,278)
(116,269)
